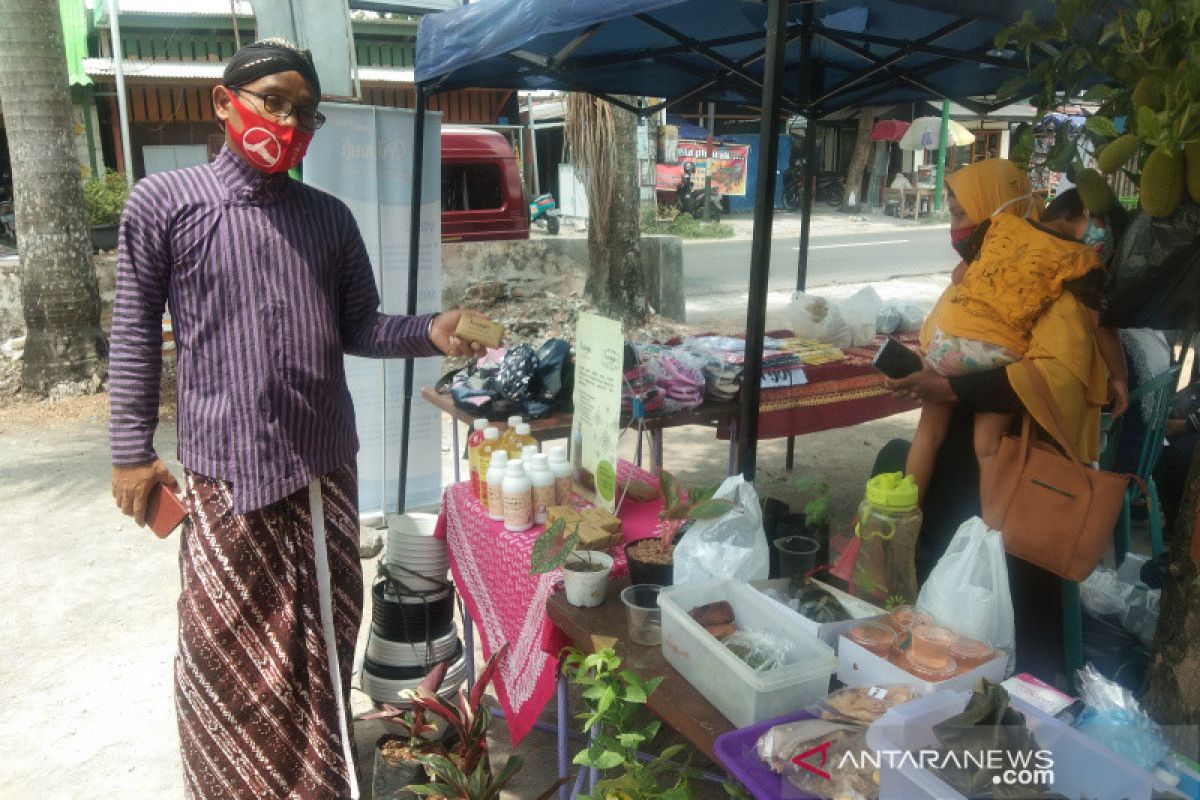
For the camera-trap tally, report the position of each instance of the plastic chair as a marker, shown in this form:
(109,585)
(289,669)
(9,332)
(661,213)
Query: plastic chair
(1159,392)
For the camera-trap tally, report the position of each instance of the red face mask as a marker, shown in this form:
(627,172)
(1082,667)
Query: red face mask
(959,236)
(267,144)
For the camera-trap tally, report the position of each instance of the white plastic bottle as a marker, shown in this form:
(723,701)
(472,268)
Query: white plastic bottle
(561,470)
(518,498)
(527,454)
(495,485)
(543,488)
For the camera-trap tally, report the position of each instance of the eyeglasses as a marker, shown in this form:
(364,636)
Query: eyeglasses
(282,108)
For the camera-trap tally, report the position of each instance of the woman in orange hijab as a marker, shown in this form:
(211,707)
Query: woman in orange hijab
(1063,347)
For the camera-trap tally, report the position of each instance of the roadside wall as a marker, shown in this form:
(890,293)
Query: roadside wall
(554,264)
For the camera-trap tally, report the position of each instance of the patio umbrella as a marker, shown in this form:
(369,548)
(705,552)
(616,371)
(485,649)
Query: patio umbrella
(889,130)
(926,132)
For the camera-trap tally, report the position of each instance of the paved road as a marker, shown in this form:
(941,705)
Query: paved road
(723,267)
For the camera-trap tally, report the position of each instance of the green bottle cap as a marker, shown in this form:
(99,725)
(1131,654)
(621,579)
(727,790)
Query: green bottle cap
(893,491)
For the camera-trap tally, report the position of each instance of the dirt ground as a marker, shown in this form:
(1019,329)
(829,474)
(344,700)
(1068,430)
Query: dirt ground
(88,631)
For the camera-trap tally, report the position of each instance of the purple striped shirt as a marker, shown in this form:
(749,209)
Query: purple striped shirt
(269,284)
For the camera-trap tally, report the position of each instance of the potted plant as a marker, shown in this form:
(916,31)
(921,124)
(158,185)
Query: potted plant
(616,699)
(818,509)
(652,559)
(585,572)
(396,762)
(104,199)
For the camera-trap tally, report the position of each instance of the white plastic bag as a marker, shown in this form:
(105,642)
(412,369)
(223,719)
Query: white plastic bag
(815,317)
(859,311)
(968,588)
(732,546)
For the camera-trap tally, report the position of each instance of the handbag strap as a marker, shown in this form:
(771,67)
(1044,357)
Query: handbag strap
(1056,428)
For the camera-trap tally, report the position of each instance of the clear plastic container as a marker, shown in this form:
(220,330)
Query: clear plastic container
(1081,766)
(875,636)
(888,522)
(743,695)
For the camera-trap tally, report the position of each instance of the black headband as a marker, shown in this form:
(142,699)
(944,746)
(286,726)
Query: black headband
(268,57)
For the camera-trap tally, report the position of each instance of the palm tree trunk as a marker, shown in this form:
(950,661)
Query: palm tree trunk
(59,293)
(603,141)
(858,159)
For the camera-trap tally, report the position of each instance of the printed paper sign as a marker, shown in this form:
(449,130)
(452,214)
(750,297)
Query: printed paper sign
(599,359)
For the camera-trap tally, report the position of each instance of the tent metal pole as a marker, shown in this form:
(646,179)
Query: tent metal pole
(414,262)
(760,249)
(807,173)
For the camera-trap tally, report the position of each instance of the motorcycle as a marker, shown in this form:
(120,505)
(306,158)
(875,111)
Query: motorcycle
(829,187)
(8,223)
(543,211)
(691,199)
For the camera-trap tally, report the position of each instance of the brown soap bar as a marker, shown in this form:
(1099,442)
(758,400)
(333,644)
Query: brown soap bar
(479,329)
(565,513)
(721,632)
(718,613)
(602,519)
(641,491)
(593,538)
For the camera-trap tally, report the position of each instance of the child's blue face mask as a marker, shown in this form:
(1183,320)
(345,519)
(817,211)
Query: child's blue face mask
(1100,239)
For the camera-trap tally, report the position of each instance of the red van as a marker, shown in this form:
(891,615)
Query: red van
(482,197)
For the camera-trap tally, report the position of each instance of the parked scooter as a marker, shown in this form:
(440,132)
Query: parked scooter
(8,223)
(829,187)
(544,212)
(691,198)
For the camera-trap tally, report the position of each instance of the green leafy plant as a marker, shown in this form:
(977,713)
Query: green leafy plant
(1138,59)
(614,697)
(818,501)
(680,505)
(552,548)
(104,197)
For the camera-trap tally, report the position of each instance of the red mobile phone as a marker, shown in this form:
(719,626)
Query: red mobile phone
(164,511)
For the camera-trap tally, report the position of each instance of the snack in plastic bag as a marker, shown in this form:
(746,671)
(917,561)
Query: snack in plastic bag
(1115,719)
(816,603)
(815,317)
(859,311)
(762,650)
(781,744)
(863,705)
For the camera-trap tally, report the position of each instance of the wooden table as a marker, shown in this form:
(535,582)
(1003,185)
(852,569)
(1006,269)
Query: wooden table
(675,701)
(558,425)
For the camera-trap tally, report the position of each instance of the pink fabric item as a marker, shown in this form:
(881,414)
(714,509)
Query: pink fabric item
(490,566)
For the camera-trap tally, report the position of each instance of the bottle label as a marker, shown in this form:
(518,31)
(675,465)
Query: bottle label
(495,499)
(562,489)
(543,498)
(518,511)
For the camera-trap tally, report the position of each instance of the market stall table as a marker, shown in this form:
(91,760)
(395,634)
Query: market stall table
(490,566)
(558,425)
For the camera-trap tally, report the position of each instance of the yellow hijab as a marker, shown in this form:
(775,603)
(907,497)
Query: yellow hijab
(1062,343)
(994,186)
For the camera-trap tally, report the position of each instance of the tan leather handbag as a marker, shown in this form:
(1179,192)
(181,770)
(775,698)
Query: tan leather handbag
(1053,510)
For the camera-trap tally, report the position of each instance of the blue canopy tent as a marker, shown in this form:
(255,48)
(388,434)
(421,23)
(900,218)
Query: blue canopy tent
(777,56)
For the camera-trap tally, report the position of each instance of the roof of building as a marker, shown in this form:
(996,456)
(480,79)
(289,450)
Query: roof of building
(210,71)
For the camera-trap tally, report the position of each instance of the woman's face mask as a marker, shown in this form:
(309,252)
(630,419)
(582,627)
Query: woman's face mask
(959,241)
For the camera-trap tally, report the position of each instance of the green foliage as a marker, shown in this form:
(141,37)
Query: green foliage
(552,548)
(104,197)
(614,698)
(1138,59)
(700,504)
(818,505)
(682,225)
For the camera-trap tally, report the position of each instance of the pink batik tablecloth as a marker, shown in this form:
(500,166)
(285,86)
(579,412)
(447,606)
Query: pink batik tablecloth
(490,566)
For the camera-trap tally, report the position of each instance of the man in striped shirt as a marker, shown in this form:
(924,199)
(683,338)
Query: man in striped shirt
(269,285)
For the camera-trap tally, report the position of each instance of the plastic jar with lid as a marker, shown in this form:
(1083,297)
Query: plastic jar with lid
(886,530)
(518,498)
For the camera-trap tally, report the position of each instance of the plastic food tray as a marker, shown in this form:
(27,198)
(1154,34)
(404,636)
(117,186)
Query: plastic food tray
(745,696)
(737,753)
(1082,767)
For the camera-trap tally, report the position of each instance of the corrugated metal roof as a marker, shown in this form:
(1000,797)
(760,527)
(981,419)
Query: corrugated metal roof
(212,70)
(197,8)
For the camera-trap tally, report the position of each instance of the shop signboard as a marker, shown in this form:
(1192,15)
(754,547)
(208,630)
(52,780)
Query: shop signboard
(363,156)
(728,160)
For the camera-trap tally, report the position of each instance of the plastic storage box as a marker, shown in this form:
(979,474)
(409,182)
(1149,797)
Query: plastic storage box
(744,695)
(1081,767)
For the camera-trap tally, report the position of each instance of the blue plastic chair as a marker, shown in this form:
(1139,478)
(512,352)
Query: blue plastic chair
(1159,392)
